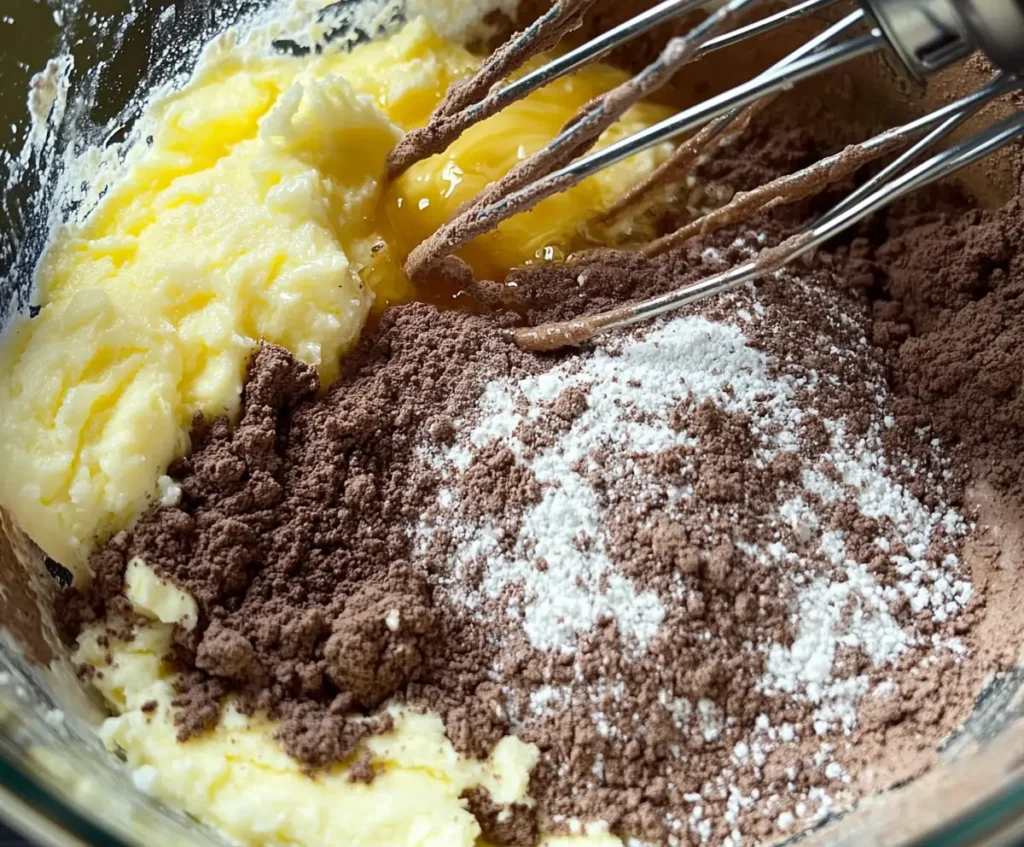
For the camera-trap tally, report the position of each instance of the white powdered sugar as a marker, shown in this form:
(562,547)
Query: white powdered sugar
(631,386)
(855,612)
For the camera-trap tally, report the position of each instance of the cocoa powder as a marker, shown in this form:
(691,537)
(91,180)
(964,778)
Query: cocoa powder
(955,293)
(290,535)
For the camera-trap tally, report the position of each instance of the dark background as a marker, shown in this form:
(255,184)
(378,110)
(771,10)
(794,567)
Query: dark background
(9,838)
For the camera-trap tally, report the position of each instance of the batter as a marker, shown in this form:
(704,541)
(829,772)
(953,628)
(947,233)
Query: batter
(350,569)
(257,211)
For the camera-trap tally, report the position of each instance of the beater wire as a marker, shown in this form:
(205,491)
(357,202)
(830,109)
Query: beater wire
(687,152)
(529,182)
(832,169)
(973,149)
(471,100)
(952,116)
(479,97)
(641,24)
(533,181)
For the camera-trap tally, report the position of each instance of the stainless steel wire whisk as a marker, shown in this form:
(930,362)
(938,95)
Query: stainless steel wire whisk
(924,36)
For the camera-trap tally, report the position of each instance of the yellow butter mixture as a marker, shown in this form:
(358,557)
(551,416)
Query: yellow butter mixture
(257,210)
(236,777)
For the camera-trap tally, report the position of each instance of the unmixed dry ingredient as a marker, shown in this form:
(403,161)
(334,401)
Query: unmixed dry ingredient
(712,567)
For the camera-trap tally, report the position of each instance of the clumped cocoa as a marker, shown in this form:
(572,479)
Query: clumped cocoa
(514,826)
(291,536)
(954,318)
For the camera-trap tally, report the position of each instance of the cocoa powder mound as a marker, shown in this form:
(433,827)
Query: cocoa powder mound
(291,538)
(955,289)
(514,826)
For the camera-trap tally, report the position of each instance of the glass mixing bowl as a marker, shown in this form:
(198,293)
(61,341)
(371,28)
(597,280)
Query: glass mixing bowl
(58,785)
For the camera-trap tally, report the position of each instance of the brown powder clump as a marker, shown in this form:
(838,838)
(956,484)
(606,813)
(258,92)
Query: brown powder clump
(956,286)
(291,538)
(375,645)
(514,826)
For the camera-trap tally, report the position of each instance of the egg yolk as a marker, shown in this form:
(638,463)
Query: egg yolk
(429,194)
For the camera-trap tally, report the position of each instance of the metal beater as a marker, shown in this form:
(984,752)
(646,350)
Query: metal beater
(924,36)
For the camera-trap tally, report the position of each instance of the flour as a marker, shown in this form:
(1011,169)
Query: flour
(630,387)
